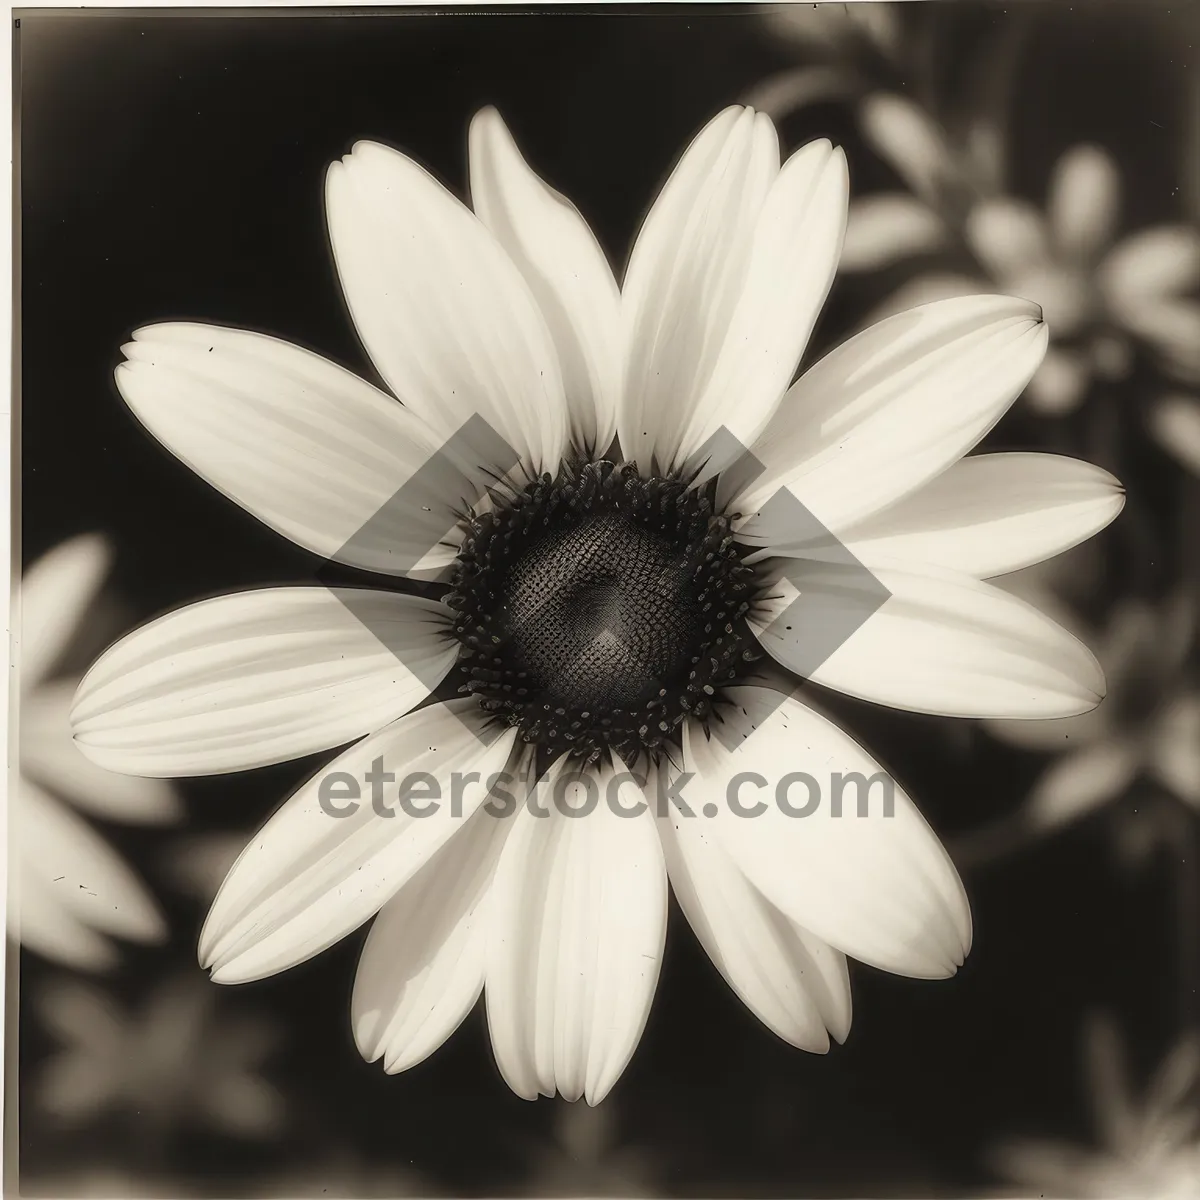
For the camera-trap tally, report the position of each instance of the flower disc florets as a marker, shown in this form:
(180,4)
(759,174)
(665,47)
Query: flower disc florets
(599,609)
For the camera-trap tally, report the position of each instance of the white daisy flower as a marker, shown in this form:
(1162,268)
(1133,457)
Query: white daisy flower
(73,891)
(603,608)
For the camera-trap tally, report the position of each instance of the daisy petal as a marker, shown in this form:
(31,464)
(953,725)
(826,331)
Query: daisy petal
(579,921)
(873,881)
(64,856)
(1081,781)
(993,513)
(311,450)
(565,268)
(883,229)
(895,405)
(1175,422)
(790,267)
(310,875)
(442,310)
(50,756)
(1059,385)
(1008,236)
(686,275)
(56,592)
(258,677)
(942,643)
(1085,191)
(421,969)
(1162,262)
(1174,756)
(792,981)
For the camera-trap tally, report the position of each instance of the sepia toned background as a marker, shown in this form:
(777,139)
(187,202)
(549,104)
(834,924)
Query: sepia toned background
(171,166)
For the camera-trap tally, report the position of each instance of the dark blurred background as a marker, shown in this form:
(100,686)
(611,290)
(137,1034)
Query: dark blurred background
(171,165)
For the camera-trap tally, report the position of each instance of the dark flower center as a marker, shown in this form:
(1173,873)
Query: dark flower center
(599,609)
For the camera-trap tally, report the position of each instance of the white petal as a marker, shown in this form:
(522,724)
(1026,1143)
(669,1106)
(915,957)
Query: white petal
(685,276)
(879,887)
(259,677)
(993,513)
(50,756)
(1085,191)
(942,643)
(1008,236)
(887,227)
(790,268)
(902,134)
(1079,782)
(578,926)
(56,592)
(1175,421)
(565,268)
(64,858)
(421,969)
(1174,752)
(1151,265)
(442,310)
(309,877)
(1060,384)
(42,923)
(895,405)
(792,981)
(311,450)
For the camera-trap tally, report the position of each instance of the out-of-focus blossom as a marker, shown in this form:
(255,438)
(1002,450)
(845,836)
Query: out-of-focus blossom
(843,47)
(72,889)
(584,1159)
(1149,724)
(1100,296)
(1149,1145)
(174,1060)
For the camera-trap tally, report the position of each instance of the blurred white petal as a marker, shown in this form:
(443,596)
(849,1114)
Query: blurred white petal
(258,677)
(993,513)
(1060,383)
(50,757)
(578,925)
(1082,202)
(1008,236)
(889,226)
(442,310)
(565,268)
(908,139)
(894,406)
(1154,264)
(1080,782)
(309,877)
(942,643)
(780,95)
(72,868)
(1175,421)
(1173,755)
(56,592)
(878,886)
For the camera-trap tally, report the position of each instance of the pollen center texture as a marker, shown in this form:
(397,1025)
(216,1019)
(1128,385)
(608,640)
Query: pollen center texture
(598,609)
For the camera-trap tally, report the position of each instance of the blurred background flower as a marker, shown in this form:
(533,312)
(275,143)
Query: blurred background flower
(172,1059)
(74,892)
(1147,1144)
